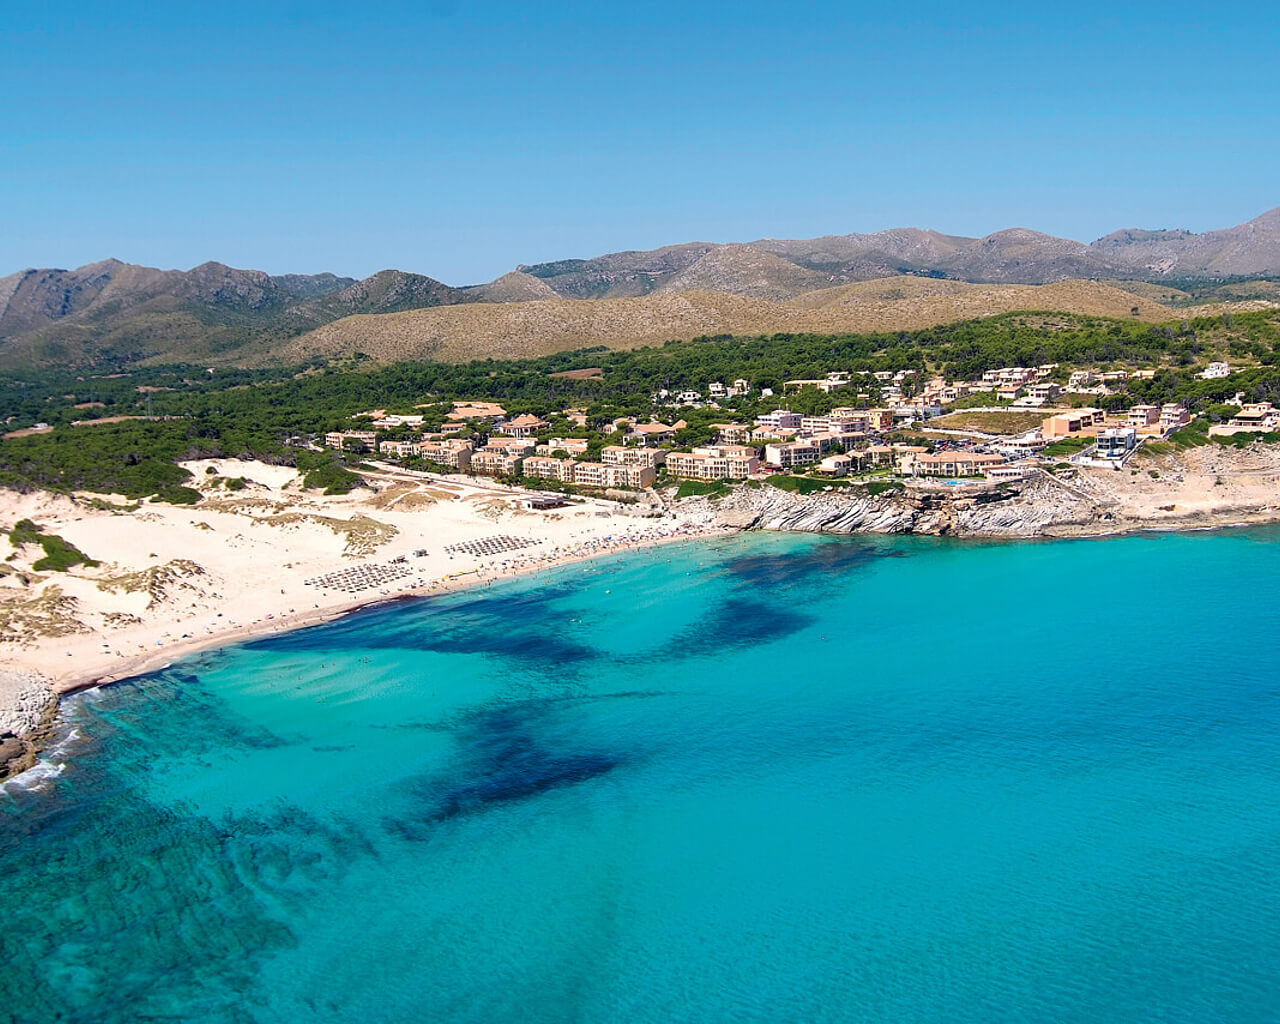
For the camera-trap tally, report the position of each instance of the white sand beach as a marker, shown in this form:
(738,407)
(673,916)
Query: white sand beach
(272,557)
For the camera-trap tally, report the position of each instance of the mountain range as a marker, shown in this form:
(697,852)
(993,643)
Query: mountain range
(116,313)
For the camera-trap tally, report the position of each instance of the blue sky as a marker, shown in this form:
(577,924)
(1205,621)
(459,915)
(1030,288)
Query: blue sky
(458,140)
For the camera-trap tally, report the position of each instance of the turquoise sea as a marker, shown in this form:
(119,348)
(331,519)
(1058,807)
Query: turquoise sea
(767,778)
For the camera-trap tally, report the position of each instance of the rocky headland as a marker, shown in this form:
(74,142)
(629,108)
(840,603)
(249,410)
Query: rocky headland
(1194,489)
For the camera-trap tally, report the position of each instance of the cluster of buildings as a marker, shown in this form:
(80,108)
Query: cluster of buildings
(1027,387)
(1142,419)
(479,437)
(1115,436)
(1253,417)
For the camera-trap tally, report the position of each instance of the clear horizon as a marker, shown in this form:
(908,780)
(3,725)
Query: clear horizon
(458,143)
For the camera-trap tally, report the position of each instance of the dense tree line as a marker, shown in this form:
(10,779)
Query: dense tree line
(264,413)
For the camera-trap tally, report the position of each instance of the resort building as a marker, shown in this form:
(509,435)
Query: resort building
(655,433)
(478,411)
(571,445)
(548,468)
(491,462)
(1253,417)
(1046,391)
(511,445)
(732,433)
(836,379)
(454,453)
(774,434)
(523,426)
(837,421)
(949,463)
(400,449)
(880,420)
(1216,371)
(597,474)
(1009,375)
(878,455)
(837,465)
(618,455)
(720,462)
(1007,473)
(357,438)
(780,418)
(791,454)
(827,441)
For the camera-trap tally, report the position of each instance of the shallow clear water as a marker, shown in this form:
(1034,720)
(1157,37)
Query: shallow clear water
(770,778)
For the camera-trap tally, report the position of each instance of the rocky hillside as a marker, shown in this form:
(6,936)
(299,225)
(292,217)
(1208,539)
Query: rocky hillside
(113,313)
(121,312)
(513,330)
(1015,255)
(745,270)
(1247,250)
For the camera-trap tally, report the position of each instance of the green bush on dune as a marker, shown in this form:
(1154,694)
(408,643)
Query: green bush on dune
(59,555)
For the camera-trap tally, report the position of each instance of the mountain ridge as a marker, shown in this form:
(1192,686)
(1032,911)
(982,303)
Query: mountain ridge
(124,312)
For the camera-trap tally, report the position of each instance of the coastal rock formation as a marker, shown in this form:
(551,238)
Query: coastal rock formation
(27,705)
(1195,488)
(30,706)
(1030,508)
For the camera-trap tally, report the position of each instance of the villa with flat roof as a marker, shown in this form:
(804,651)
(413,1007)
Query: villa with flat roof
(949,463)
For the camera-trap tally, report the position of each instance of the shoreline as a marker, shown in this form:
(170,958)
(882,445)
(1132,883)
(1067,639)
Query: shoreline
(470,579)
(38,738)
(463,580)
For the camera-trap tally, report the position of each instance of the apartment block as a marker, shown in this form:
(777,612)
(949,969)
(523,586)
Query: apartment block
(780,418)
(339,438)
(400,449)
(455,453)
(1067,423)
(950,463)
(1142,416)
(732,433)
(791,454)
(597,474)
(618,455)
(549,468)
(491,462)
(1173,416)
(572,445)
(721,462)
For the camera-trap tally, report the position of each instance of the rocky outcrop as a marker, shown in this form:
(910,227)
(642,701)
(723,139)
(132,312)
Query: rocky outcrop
(27,706)
(27,703)
(1038,506)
